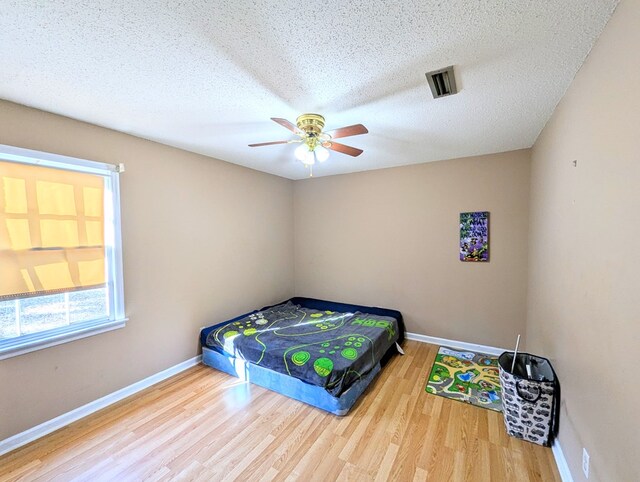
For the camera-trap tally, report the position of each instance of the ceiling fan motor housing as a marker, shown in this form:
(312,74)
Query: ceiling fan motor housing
(311,124)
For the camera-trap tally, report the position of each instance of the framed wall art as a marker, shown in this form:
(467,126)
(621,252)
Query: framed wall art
(474,236)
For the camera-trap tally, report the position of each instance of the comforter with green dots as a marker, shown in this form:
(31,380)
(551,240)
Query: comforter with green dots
(323,348)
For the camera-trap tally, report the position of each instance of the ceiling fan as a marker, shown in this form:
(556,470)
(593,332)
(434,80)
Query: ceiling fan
(315,142)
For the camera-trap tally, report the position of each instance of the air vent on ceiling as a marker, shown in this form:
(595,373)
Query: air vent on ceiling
(442,82)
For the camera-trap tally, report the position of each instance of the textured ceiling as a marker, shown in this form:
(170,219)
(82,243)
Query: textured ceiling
(206,76)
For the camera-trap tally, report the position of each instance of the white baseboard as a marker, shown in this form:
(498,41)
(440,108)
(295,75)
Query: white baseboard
(461,345)
(561,462)
(23,438)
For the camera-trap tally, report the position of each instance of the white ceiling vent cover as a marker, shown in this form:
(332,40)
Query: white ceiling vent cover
(442,82)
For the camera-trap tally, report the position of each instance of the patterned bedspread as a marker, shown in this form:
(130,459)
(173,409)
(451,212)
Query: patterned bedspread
(324,348)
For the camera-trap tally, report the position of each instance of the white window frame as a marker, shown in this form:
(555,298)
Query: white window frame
(19,345)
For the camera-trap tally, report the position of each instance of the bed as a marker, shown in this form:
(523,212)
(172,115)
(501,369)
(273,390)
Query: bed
(319,352)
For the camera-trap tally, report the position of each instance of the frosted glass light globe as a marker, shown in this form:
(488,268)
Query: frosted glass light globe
(309,158)
(301,152)
(322,154)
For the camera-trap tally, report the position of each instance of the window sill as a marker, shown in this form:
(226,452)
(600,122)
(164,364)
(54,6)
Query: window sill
(26,346)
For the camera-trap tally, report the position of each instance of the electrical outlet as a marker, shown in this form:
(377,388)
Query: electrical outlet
(585,462)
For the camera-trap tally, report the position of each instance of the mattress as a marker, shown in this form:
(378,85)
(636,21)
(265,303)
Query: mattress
(320,352)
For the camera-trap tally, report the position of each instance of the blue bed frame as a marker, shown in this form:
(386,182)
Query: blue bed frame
(292,387)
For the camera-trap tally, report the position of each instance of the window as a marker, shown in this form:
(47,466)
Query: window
(60,250)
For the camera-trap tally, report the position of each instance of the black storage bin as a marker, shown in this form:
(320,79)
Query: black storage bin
(530,401)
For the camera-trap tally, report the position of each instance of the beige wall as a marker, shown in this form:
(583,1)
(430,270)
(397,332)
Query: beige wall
(390,238)
(203,240)
(584,283)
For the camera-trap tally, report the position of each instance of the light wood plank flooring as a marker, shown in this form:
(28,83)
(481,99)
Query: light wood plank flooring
(205,425)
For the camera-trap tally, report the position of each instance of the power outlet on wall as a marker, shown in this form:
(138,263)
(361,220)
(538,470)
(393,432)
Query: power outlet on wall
(585,462)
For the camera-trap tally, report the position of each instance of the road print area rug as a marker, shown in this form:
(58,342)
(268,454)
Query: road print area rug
(466,376)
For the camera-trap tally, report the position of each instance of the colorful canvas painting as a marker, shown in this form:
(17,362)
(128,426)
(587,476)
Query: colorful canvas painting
(466,376)
(474,236)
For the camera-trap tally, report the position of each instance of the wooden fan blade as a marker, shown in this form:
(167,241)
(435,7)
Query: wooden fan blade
(336,146)
(268,143)
(287,125)
(354,130)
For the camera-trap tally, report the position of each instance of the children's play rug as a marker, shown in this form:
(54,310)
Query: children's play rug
(466,376)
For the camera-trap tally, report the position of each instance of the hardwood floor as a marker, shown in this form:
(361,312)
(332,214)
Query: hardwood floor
(205,425)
